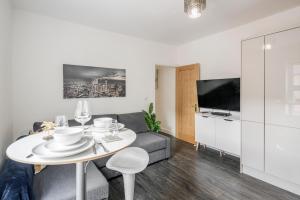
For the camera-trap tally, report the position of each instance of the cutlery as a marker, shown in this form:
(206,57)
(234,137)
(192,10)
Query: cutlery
(94,147)
(29,156)
(103,147)
(123,129)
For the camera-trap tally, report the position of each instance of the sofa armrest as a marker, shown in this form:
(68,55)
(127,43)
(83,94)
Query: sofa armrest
(168,144)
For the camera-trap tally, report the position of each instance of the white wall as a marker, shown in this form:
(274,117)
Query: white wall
(220,54)
(41,46)
(5,77)
(165,99)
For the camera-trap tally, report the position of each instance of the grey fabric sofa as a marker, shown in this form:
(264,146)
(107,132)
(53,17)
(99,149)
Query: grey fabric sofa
(157,145)
(58,182)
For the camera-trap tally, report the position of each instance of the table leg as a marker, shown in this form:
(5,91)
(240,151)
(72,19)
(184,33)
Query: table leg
(80,181)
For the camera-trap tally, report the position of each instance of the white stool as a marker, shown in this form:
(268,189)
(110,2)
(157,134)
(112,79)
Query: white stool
(129,161)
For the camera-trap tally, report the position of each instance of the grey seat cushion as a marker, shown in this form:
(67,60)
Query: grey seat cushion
(134,121)
(149,141)
(72,122)
(59,183)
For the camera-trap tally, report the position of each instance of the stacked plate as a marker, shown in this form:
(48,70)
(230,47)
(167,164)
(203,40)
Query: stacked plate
(61,146)
(53,149)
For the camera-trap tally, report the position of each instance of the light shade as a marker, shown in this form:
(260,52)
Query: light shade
(194,8)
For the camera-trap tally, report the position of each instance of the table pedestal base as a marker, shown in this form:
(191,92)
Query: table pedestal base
(80,181)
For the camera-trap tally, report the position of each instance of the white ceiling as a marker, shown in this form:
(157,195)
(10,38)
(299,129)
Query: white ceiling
(158,20)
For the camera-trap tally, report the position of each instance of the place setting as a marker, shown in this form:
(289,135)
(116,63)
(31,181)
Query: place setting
(61,141)
(106,129)
(66,142)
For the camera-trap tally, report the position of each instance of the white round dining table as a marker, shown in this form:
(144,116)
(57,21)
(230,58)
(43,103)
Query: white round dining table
(21,151)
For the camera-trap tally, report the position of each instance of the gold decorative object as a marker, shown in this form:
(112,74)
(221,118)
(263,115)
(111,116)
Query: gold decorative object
(47,127)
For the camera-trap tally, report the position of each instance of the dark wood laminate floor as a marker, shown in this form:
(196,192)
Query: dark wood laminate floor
(201,175)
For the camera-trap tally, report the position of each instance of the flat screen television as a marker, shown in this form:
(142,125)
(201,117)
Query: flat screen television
(223,94)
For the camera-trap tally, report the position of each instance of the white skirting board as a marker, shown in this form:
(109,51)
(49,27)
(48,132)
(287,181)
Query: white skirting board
(283,184)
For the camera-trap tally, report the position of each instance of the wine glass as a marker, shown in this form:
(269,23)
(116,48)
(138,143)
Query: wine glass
(82,113)
(115,127)
(61,121)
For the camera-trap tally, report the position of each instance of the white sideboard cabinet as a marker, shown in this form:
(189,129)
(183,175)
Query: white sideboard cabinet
(220,133)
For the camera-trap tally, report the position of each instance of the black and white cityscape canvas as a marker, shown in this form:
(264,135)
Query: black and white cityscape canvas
(93,82)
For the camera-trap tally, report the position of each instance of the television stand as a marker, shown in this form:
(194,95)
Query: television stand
(221,114)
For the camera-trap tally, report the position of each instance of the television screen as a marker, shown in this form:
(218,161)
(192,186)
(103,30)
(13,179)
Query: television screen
(223,94)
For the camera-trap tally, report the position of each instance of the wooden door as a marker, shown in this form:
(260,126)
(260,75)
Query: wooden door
(186,101)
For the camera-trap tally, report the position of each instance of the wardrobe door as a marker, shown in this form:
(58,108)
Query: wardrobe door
(282,105)
(282,91)
(252,103)
(252,81)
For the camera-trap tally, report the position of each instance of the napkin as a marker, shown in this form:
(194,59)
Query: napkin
(111,138)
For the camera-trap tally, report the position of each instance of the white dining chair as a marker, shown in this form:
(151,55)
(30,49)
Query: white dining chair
(129,161)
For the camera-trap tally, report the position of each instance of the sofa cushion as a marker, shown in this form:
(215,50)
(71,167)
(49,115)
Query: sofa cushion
(16,181)
(59,183)
(150,142)
(72,122)
(101,162)
(134,121)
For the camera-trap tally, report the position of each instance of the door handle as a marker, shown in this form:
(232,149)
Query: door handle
(229,120)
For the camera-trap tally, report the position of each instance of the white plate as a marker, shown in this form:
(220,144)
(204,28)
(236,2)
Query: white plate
(42,152)
(56,147)
(97,129)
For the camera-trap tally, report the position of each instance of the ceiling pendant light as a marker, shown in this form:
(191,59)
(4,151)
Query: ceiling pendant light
(194,8)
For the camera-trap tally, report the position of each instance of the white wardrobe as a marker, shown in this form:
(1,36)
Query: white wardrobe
(270,108)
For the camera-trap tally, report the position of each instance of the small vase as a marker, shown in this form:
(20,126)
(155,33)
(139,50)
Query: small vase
(48,136)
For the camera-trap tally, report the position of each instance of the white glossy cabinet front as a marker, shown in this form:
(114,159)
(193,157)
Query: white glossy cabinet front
(271,148)
(283,79)
(228,135)
(219,134)
(252,84)
(206,131)
(253,145)
(283,153)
